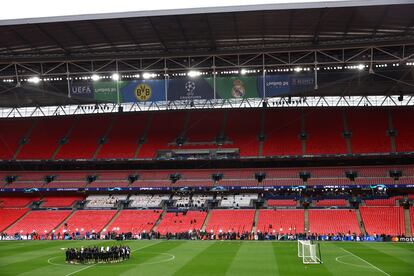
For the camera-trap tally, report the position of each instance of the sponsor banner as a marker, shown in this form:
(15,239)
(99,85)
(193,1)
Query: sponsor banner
(81,89)
(106,91)
(190,89)
(237,87)
(278,85)
(143,91)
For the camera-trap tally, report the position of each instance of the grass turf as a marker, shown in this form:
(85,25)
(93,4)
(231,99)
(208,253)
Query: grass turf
(211,258)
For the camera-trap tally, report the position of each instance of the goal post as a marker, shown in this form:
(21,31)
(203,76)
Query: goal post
(309,252)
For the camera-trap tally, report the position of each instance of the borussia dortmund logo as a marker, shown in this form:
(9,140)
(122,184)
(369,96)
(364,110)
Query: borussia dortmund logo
(143,92)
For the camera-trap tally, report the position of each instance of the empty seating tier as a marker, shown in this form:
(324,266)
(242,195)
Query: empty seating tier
(9,216)
(39,222)
(16,202)
(333,221)
(331,202)
(281,221)
(383,220)
(281,202)
(60,201)
(87,221)
(181,222)
(135,221)
(230,220)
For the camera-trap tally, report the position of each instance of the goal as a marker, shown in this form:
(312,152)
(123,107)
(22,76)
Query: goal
(309,252)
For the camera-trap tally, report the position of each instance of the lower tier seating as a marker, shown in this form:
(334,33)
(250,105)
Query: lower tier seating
(333,221)
(181,222)
(412,219)
(135,221)
(281,221)
(87,221)
(39,222)
(60,201)
(331,202)
(382,202)
(281,202)
(9,216)
(383,220)
(16,202)
(230,220)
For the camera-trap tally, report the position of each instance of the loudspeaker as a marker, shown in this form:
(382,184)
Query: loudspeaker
(174,177)
(49,178)
(260,176)
(91,178)
(304,176)
(395,174)
(351,175)
(217,177)
(132,178)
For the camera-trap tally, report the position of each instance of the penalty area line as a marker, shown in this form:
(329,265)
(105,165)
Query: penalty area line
(368,263)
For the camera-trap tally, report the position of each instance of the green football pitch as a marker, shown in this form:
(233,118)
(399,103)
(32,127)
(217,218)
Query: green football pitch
(211,258)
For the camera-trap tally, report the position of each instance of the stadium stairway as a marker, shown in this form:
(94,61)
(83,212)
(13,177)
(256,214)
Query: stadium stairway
(17,221)
(203,227)
(306,216)
(360,222)
(256,219)
(143,138)
(392,137)
(27,137)
(407,221)
(60,145)
(65,220)
(112,219)
(105,136)
(164,212)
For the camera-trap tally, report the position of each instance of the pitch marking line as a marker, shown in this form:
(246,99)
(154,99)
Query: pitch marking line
(373,266)
(83,268)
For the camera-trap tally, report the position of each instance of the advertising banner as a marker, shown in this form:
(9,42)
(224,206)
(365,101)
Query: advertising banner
(143,91)
(278,85)
(236,87)
(190,89)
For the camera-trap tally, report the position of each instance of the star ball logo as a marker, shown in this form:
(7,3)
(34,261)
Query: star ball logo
(143,92)
(190,86)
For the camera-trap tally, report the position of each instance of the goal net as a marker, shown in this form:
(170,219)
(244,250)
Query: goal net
(309,252)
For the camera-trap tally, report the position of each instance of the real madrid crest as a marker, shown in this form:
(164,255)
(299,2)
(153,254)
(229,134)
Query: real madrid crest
(143,92)
(238,90)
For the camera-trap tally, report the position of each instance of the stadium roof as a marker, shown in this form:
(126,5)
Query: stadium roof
(208,30)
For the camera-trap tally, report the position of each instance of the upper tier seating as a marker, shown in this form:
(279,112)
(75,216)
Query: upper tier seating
(60,201)
(333,221)
(369,131)
(181,222)
(326,137)
(104,201)
(281,202)
(16,202)
(282,129)
(39,222)
(135,221)
(45,137)
(122,140)
(281,221)
(230,220)
(383,220)
(147,201)
(11,134)
(331,202)
(84,137)
(9,216)
(236,201)
(405,130)
(87,221)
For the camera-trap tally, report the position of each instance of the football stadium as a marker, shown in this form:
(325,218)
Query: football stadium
(265,138)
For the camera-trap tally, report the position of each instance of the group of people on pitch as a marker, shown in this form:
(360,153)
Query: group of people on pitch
(95,254)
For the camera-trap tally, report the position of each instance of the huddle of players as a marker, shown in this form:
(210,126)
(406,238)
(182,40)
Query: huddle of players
(97,254)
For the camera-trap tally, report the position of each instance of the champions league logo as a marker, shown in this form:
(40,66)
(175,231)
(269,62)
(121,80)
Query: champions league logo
(238,90)
(190,86)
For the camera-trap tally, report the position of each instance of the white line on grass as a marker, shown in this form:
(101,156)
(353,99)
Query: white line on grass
(373,266)
(89,266)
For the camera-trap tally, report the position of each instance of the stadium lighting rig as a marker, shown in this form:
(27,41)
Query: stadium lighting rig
(115,76)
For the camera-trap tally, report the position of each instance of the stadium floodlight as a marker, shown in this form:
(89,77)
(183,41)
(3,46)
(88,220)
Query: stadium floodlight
(147,75)
(243,71)
(298,69)
(95,77)
(309,252)
(115,77)
(34,80)
(193,74)
(360,67)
